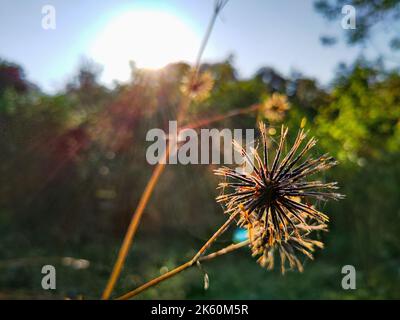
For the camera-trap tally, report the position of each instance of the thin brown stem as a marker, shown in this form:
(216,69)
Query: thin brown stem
(214,237)
(207,121)
(187,99)
(155,281)
(190,263)
(219,5)
(228,249)
(128,239)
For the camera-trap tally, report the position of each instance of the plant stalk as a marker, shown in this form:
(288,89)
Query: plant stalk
(191,262)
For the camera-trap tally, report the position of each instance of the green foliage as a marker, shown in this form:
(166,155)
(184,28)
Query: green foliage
(362,121)
(73,168)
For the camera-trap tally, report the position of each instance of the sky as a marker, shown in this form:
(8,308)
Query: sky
(282,34)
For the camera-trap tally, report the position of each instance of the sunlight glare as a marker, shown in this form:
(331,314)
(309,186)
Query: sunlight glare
(151,39)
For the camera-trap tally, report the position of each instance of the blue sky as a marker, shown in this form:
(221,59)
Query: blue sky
(282,34)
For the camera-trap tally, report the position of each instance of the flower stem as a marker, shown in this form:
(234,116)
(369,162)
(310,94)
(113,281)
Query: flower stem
(130,233)
(191,262)
(219,117)
(228,249)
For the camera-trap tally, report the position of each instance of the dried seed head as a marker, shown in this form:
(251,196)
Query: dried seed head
(273,200)
(264,245)
(275,107)
(199,86)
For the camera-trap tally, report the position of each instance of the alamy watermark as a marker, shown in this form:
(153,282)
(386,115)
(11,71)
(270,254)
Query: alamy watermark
(209,146)
(48,17)
(349,280)
(49,278)
(349,19)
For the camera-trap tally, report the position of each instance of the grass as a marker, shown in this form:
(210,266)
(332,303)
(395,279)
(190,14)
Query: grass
(234,276)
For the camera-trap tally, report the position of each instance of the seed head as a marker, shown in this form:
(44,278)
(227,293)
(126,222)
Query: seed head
(199,86)
(277,193)
(264,245)
(275,107)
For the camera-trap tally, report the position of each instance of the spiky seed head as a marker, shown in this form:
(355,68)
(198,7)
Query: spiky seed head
(265,247)
(277,193)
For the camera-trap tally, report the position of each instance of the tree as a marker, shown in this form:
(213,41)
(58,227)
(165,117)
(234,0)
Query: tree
(363,120)
(12,77)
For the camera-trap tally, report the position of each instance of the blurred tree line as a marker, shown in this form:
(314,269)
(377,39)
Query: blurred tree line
(73,163)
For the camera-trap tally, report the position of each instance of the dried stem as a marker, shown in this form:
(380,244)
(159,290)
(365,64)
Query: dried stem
(191,262)
(155,281)
(219,5)
(204,122)
(228,249)
(137,215)
(214,237)
(128,239)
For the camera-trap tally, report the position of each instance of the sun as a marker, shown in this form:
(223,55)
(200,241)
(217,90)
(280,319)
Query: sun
(151,39)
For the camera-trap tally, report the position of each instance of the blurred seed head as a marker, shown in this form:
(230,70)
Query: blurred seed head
(274,108)
(197,86)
